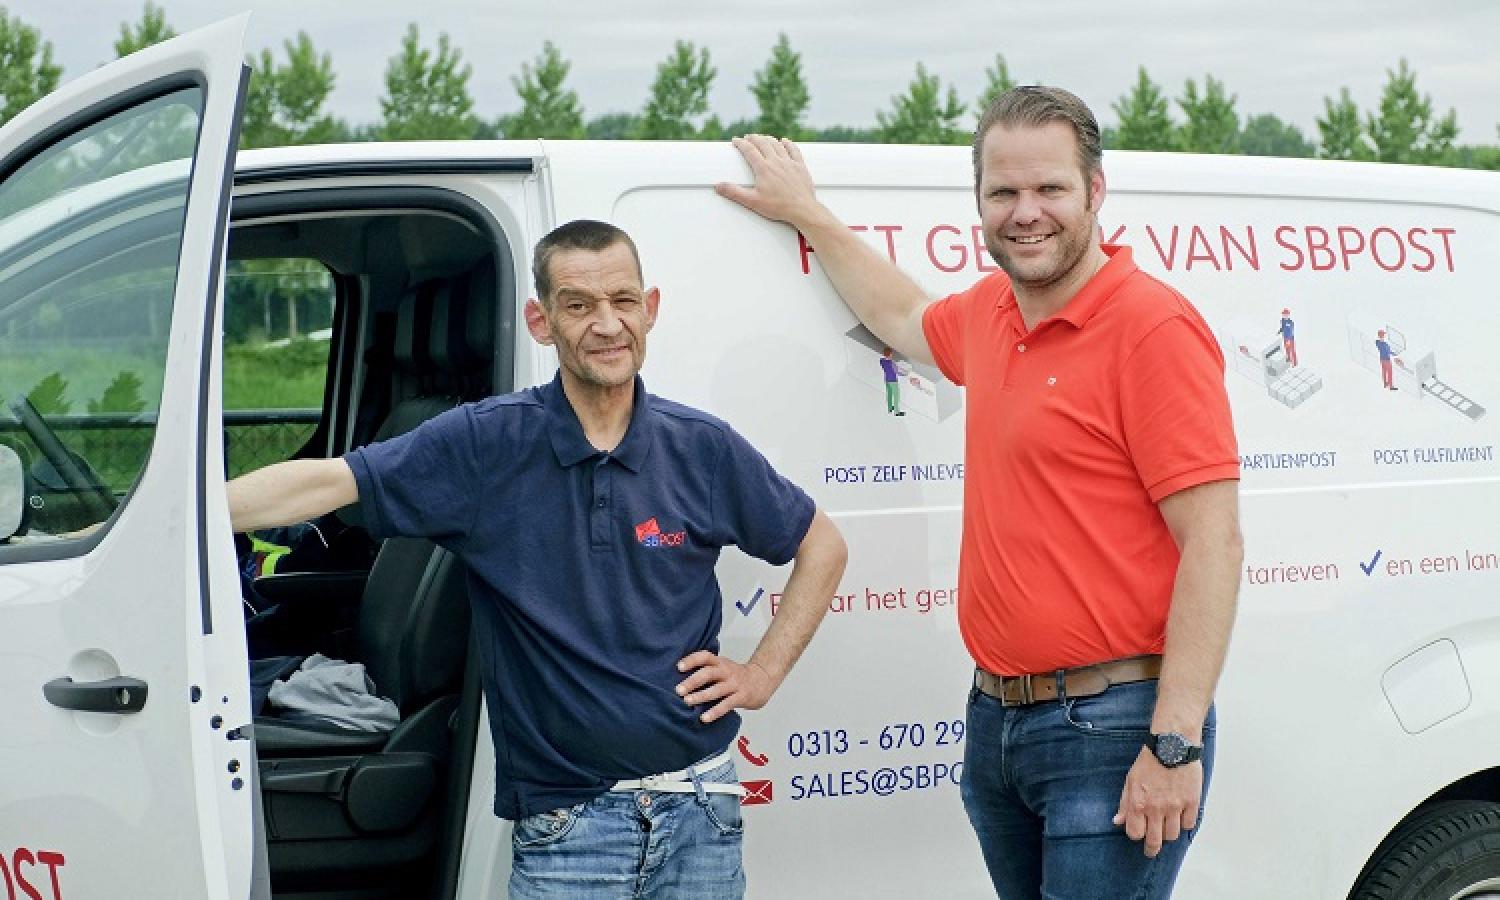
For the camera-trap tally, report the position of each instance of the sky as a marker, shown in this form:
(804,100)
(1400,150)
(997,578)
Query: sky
(1276,56)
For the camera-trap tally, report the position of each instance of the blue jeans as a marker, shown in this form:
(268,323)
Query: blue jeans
(634,844)
(1042,783)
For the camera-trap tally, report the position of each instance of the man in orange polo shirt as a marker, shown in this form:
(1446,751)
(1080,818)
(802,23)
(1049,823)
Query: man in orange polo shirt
(1101,546)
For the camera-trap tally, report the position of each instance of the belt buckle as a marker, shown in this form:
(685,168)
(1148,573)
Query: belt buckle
(1027,698)
(650,782)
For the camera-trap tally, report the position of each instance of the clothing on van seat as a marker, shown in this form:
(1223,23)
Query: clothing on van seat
(590,573)
(1076,430)
(327,691)
(266,672)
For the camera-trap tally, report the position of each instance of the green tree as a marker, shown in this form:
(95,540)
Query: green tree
(679,95)
(844,134)
(548,110)
(152,29)
(781,93)
(1212,125)
(1144,121)
(1478,157)
(924,114)
(997,82)
(122,396)
(1339,130)
(427,96)
(612,126)
(712,130)
(50,396)
(742,127)
(1405,130)
(1266,135)
(27,72)
(284,104)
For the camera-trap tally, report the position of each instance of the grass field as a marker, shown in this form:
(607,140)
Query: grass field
(286,377)
(67,383)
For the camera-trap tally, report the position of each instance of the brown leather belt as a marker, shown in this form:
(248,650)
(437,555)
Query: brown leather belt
(1084,681)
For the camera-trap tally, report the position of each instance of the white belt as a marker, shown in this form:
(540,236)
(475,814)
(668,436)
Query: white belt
(681,781)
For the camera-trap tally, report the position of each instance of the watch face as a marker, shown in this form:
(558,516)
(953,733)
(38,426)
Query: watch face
(1171,749)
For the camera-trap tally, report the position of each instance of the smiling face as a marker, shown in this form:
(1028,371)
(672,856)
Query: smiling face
(597,316)
(1038,209)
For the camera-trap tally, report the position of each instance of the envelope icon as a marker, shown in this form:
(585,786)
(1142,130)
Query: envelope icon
(757,793)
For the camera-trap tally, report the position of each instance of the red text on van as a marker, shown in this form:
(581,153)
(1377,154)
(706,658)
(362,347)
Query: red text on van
(21,880)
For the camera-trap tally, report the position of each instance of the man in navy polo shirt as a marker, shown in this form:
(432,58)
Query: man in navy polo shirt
(590,515)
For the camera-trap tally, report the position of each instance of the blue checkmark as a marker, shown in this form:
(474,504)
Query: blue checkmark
(745,608)
(1370,569)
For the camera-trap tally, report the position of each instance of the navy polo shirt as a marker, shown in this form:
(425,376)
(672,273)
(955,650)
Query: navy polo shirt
(590,574)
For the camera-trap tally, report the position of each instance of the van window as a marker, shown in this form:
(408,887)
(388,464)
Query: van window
(90,231)
(278,325)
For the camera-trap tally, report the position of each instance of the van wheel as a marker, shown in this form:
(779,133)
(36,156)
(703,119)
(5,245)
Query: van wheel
(1450,852)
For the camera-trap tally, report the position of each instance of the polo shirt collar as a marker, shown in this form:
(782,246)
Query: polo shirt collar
(1086,303)
(566,432)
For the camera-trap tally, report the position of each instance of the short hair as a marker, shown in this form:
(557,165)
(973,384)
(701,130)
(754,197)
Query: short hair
(1033,105)
(579,234)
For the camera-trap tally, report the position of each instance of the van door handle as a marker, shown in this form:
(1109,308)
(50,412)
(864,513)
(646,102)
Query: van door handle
(120,694)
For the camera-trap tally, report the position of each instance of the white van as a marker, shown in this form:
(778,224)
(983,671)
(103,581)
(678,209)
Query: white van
(1360,708)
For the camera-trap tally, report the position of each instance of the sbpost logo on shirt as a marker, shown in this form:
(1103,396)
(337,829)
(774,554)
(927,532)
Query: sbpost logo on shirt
(649,534)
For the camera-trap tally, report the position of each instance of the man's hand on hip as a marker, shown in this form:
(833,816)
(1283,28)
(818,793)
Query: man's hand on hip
(783,189)
(734,685)
(1158,804)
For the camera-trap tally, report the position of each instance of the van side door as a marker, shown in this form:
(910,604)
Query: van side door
(124,763)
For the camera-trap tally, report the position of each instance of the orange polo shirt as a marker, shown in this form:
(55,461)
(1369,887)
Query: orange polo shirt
(1076,429)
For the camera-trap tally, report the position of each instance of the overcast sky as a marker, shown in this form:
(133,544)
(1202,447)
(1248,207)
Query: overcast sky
(1278,56)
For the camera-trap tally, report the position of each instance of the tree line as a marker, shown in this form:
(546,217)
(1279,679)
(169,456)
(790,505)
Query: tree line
(427,97)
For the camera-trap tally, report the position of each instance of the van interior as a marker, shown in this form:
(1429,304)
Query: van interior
(420,324)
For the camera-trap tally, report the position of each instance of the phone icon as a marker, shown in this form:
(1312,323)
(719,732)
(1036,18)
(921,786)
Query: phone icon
(755,759)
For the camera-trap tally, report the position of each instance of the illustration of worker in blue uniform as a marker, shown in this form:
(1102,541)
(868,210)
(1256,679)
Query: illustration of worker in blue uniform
(892,383)
(1289,336)
(1387,376)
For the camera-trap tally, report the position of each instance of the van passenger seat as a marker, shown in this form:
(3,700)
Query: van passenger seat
(340,802)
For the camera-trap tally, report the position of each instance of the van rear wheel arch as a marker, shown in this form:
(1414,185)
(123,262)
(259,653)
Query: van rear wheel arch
(1447,850)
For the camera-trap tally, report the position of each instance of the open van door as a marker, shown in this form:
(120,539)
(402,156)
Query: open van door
(124,769)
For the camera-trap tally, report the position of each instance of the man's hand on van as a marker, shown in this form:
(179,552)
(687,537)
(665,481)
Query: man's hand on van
(887,301)
(734,685)
(1158,804)
(783,188)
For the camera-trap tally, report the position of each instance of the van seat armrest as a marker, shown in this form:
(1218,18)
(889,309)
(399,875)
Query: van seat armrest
(380,793)
(323,776)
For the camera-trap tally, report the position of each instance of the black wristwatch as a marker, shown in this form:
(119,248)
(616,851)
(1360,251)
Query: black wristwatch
(1172,749)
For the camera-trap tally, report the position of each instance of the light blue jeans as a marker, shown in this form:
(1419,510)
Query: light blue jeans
(634,844)
(1042,783)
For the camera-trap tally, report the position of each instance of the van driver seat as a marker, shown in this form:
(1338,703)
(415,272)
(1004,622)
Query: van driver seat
(340,804)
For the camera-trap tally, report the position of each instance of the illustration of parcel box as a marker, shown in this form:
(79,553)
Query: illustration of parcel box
(924,390)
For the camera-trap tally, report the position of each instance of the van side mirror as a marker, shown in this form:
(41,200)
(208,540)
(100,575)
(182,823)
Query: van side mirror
(12,493)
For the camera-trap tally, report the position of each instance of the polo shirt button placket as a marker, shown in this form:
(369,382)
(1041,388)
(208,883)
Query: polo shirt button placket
(600,517)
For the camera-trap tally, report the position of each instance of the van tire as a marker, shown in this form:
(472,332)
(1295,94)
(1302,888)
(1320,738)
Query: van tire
(1450,851)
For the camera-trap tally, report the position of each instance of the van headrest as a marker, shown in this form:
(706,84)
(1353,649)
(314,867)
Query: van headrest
(462,337)
(414,331)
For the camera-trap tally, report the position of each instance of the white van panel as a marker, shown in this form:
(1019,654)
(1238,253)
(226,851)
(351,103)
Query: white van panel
(1364,509)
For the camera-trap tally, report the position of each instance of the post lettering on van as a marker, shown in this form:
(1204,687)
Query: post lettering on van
(22,881)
